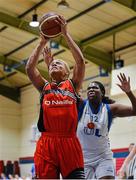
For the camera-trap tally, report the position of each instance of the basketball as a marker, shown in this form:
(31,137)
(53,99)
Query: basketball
(48,26)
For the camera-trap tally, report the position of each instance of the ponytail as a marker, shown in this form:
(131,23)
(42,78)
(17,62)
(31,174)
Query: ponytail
(107,100)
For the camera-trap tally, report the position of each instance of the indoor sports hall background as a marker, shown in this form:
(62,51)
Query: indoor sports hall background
(105,30)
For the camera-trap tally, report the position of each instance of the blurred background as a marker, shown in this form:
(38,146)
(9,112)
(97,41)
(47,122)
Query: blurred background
(105,30)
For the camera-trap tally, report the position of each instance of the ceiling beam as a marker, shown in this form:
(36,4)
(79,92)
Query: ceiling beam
(21,46)
(7,19)
(11,62)
(94,55)
(18,23)
(127,3)
(110,31)
(98,57)
(95,6)
(19,66)
(6,76)
(11,93)
(134,5)
(45,73)
(32,8)
(125,47)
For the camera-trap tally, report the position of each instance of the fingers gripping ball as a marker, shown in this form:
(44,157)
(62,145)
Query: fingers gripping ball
(48,25)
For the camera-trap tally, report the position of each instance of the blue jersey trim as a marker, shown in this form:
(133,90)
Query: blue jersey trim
(109,116)
(80,109)
(92,109)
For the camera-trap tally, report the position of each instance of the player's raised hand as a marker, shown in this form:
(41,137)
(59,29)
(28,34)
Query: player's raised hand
(124,82)
(47,56)
(44,39)
(63,23)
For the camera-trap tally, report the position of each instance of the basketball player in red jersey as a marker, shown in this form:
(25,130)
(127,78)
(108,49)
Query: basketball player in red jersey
(58,149)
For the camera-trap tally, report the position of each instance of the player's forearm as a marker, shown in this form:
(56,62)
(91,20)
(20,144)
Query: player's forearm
(33,59)
(129,158)
(76,52)
(133,101)
(125,163)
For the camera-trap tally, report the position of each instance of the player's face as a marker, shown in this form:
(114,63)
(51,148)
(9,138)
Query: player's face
(57,68)
(94,91)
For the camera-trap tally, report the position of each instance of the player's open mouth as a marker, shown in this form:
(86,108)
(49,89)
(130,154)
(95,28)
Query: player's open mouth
(91,93)
(54,67)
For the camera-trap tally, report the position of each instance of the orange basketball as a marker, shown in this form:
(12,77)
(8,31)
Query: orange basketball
(48,26)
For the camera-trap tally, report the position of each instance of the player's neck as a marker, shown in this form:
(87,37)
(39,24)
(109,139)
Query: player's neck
(58,77)
(95,104)
(58,80)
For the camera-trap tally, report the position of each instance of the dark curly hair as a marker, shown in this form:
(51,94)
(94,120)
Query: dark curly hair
(105,99)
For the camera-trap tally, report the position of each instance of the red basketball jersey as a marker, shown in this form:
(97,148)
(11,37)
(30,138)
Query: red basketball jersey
(59,108)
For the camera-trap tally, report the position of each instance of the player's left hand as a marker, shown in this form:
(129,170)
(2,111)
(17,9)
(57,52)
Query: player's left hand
(124,82)
(61,20)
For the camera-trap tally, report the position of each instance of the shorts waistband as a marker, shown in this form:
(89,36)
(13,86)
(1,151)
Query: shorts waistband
(54,134)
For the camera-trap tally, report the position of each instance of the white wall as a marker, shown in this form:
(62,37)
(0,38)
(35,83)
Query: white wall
(16,121)
(29,116)
(128,71)
(123,130)
(10,124)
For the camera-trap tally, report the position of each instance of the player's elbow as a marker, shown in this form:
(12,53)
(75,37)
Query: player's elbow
(83,66)
(81,63)
(82,60)
(29,66)
(134,112)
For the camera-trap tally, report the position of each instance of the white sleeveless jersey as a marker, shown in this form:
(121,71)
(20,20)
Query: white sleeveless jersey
(95,142)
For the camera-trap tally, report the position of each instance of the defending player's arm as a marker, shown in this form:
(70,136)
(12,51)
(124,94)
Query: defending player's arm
(122,170)
(79,69)
(122,110)
(31,69)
